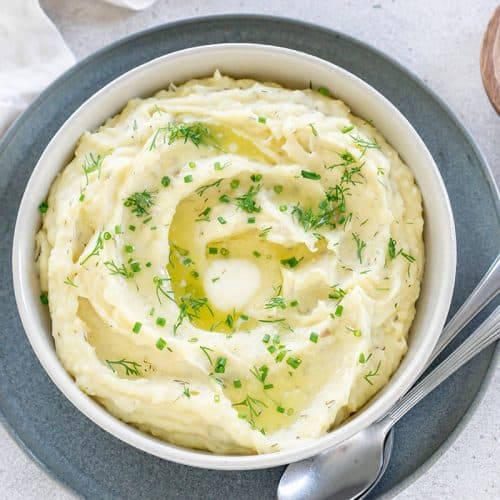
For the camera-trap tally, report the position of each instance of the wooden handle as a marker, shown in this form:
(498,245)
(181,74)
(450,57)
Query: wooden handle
(490,60)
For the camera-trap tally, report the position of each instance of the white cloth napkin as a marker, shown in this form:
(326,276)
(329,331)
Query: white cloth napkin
(32,53)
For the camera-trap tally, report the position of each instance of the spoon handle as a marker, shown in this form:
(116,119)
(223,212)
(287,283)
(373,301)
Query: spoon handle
(487,333)
(486,290)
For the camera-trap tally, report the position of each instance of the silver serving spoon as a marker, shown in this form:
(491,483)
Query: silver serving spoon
(353,468)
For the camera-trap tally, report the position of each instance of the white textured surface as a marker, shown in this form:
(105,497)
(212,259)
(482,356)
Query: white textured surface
(440,42)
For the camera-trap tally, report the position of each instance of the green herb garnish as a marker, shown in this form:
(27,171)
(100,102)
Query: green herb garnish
(140,202)
(131,367)
(194,132)
(310,175)
(247,201)
(360,246)
(99,245)
(372,373)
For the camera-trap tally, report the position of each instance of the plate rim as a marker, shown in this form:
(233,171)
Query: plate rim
(485,168)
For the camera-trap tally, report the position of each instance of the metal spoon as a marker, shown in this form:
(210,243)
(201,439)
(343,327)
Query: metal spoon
(354,467)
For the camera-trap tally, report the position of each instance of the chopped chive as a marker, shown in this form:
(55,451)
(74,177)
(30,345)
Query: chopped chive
(324,91)
(137,327)
(257,254)
(251,220)
(268,386)
(192,164)
(224,198)
(280,356)
(280,409)
(237,383)
(355,332)
(165,181)
(43,207)
(195,274)
(118,229)
(262,119)
(44,299)
(244,317)
(278,189)
(218,166)
(221,220)
(339,310)
(314,337)
(234,183)
(106,235)
(293,362)
(161,321)
(347,129)
(283,208)
(224,252)
(129,248)
(271,349)
(212,250)
(148,264)
(220,365)
(310,175)
(256,177)
(188,178)
(135,266)
(187,261)
(161,344)
(294,303)
(266,338)
(82,197)
(132,227)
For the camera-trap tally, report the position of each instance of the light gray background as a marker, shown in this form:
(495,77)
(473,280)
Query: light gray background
(439,40)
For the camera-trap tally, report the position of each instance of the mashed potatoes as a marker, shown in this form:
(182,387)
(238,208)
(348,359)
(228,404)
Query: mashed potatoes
(231,265)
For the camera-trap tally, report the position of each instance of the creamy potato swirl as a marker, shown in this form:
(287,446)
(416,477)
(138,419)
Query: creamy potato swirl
(231,265)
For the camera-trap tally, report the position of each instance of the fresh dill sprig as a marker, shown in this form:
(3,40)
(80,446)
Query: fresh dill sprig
(195,132)
(205,352)
(393,253)
(265,232)
(347,159)
(131,367)
(114,269)
(189,308)
(160,290)
(360,246)
(348,176)
(331,210)
(99,245)
(140,202)
(364,144)
(200,191)
(92,163)
(278,302)
(69,281)
(261,374)
(372,373)
(254,408)
(247,201)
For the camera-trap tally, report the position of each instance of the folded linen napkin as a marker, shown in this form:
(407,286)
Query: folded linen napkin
(32,53)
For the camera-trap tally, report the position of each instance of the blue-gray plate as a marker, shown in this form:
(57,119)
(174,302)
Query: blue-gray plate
(95,464)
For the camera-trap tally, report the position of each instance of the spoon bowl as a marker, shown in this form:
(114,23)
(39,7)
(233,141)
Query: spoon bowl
(351,468)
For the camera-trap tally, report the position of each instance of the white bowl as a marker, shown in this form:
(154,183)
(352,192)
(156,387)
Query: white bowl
(294,70)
